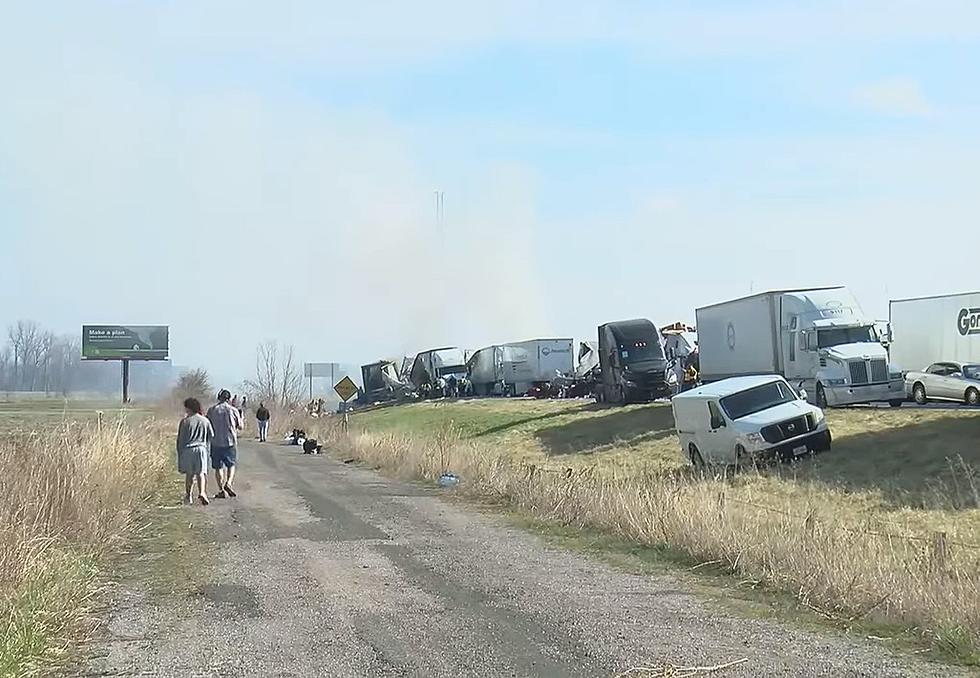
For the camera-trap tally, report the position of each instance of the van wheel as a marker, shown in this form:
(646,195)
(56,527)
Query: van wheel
(697,461)
(919,394)
(821,397)
(742,458)
(972,397)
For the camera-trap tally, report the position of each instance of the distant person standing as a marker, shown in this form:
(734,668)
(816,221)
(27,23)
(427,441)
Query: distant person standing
(227,422)
(194,435)
(262,416)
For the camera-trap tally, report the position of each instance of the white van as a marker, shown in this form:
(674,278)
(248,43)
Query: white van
(736,420)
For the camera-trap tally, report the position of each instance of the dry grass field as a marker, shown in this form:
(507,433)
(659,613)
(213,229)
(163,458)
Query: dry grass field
(71,494)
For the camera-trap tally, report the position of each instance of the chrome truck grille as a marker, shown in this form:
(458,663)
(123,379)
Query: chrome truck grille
(859,372)
(868,371)
(879,371)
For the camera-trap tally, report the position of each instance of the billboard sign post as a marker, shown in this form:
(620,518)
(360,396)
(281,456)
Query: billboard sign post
(125,343)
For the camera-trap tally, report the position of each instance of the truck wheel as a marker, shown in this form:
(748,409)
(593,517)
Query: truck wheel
(972,397)
(697,461)
(919,394)
(821,397)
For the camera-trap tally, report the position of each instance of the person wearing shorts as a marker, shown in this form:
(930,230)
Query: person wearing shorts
(226,422)
(193,442)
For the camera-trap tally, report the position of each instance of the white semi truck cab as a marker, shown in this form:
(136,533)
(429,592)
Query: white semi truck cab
(818,337)
(842,362)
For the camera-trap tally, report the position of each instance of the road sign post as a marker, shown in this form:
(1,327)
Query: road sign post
(319,370)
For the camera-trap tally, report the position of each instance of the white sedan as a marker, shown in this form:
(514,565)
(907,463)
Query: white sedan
(955,381)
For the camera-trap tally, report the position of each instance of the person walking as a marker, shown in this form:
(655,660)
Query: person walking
(262,416)
(227,422)
(194,435)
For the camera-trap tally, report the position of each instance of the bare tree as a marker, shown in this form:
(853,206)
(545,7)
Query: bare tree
(6,360)
(42,361)
(278,381)
(193,384)
(23,338)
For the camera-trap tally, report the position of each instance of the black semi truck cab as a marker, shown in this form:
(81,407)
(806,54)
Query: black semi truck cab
(632,362)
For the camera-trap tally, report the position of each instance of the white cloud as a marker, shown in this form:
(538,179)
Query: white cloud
(898,96)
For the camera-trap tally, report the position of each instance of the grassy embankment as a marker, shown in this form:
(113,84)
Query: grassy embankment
(71,494)
(883,532)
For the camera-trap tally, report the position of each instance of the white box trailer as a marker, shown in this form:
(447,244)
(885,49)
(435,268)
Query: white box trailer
(926,330)
(520,365)
(818,337)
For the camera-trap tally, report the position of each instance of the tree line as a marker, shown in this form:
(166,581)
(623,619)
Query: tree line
(36,359)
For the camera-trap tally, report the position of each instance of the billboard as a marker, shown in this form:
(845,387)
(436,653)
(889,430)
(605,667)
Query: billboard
(117,342)
(311,370)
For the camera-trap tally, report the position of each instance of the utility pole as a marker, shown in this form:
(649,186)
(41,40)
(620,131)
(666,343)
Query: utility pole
(440,210)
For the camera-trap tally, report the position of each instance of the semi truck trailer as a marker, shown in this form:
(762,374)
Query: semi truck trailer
(928,330)
(818,338)
(521,365)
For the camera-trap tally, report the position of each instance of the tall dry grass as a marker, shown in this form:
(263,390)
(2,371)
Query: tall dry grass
(850,568)
(70,494)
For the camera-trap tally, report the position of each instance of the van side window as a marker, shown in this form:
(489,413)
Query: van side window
(717,419)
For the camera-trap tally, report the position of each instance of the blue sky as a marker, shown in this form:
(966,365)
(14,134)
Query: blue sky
(599,160)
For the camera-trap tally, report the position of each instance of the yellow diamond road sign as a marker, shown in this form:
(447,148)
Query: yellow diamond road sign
(346,389)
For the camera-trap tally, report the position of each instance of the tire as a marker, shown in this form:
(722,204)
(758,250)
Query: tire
(919,394)
(972,397)
(821,397)
(697,461)
(895,403)
(742,458)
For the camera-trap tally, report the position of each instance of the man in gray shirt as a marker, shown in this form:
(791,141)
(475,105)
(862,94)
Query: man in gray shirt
(227,422)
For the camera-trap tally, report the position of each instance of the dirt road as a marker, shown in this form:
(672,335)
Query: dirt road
(320,569)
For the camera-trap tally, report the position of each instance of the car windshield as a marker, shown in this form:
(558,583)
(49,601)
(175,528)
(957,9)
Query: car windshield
(846,335)
(753,400)
(640,350)
(971,372)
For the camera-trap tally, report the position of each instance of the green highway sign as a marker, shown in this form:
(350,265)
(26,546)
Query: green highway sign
(125,342)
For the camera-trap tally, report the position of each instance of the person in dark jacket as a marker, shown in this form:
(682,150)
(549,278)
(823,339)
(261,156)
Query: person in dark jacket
(262,416)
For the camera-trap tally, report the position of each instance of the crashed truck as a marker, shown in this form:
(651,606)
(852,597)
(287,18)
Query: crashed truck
(382,382)
(517,368)
(432,368)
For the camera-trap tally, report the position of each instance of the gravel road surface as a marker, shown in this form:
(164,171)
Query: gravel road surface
(320,569)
